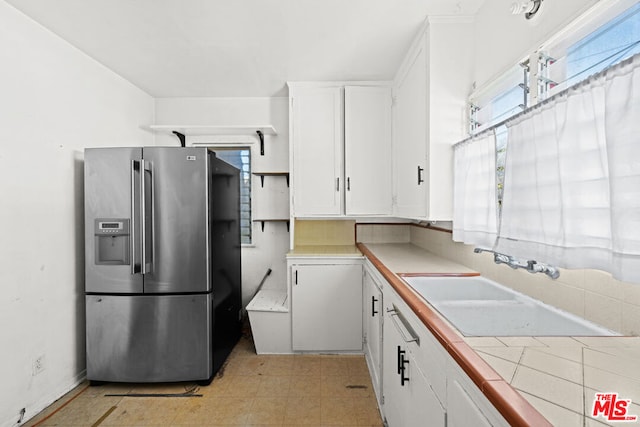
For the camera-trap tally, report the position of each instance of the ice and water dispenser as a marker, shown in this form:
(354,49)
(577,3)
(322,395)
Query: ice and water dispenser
(112,239)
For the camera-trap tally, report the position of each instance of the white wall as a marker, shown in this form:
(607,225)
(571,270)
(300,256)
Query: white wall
(269,247)
(502,40)
(54,102)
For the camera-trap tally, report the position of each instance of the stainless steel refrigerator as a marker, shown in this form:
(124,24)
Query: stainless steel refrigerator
(162,263)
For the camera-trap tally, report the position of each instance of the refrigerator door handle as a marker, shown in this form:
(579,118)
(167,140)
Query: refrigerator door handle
(135,169)
(147,226)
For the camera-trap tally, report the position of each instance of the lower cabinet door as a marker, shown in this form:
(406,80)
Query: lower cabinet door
(372,311)
(409,400)
(463,411)
(326,307)
(425,408)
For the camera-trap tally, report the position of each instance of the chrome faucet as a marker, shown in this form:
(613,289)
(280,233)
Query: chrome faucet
(549,270)
(531,266)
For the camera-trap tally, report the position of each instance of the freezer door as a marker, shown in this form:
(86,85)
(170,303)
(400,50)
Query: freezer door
(112,183)
(177,193)
(149,338)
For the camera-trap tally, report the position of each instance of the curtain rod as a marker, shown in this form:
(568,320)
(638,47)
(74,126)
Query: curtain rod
(563,92)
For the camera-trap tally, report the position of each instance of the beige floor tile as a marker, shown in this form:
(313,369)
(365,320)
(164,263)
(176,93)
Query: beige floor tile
(81,411)
(267,411)
(357,366)
(251,390)
(367,412)
(338,412)
(302,411)
(348,387)
(246,365)
(242,386)
(279,365)
(334,365)
(305,386)
(304,365)
(145,411)
(273,386)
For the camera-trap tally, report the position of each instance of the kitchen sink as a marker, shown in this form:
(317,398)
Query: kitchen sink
(477,306)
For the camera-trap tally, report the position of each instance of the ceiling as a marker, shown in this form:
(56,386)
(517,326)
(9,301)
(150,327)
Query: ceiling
(240,48)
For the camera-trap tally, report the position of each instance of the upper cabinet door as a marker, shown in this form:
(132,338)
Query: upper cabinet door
(410,143)
(431,90)
(317,135)
(367,131)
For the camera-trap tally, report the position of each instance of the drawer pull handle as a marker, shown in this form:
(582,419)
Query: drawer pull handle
(405,330)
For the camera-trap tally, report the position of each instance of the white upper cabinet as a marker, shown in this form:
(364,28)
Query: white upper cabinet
(430,93)
(340,149)
(317,159)
(367,130)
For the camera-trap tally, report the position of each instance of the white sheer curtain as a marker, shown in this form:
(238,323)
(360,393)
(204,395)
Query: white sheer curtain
(572,177)
(474,189)
(622,107)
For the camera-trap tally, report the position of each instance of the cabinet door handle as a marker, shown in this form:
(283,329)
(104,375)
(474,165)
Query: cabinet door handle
(420,170)
(373,306)
(296,278)
(401,354)
(338,184)
(403,379)
(348,184)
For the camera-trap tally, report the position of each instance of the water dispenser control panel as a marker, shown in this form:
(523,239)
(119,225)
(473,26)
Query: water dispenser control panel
(120,226)
(112,241)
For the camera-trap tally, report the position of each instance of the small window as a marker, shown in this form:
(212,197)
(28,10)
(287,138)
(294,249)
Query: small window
(241,158)
(573,60)
(506,97)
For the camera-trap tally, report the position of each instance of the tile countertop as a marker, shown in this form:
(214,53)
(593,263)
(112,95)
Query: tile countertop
(558,376)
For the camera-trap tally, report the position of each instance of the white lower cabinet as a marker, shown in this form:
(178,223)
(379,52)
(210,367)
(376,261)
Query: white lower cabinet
(408,398)
(422,385)
(372,305)
(466,405)
(463,411)
(326,306)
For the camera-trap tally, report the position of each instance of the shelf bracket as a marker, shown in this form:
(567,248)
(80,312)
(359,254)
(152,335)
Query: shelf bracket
(181,137)
(262,221)
(261,136)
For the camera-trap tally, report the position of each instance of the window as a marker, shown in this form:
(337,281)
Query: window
(598,43)
(508,96)
(241,158)
(576,58)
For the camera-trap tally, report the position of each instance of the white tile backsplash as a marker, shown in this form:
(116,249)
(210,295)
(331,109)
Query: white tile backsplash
(603,310)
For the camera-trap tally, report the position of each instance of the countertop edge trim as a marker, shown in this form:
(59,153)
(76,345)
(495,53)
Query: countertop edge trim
(516,410)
